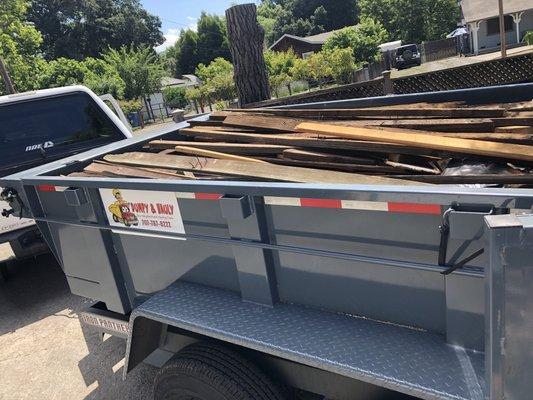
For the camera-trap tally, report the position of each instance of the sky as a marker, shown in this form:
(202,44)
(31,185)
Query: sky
(181,14)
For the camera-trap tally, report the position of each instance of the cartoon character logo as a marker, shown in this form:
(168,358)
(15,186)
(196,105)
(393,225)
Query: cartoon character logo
(121,211)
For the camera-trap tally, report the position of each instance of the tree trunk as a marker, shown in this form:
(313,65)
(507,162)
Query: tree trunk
(7,79)
(246,39)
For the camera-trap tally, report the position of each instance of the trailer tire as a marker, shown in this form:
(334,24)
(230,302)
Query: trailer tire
(205,371)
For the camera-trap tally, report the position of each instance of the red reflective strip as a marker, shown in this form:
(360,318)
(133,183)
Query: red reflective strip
(415,208)
(46,188)
(322,203)
(207,196)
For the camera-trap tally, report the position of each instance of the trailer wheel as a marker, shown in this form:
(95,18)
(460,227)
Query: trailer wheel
(205,371)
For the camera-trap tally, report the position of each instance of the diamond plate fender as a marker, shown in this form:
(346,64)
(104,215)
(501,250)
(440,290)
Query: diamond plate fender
(407,360)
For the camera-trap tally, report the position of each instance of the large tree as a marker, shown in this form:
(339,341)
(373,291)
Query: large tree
(413,21)
(85,28)
(212,38)
(305,17)
(207,43)
(182,58)
(19,46)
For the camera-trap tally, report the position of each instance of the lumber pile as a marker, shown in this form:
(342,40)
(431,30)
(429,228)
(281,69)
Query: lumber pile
(420,143)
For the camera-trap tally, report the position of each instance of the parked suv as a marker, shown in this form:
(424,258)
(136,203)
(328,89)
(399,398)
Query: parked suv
(407,56)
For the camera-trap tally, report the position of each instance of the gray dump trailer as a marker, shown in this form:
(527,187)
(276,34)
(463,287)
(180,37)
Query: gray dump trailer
(244,289)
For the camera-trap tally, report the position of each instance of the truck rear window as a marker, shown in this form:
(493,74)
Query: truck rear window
(35,131)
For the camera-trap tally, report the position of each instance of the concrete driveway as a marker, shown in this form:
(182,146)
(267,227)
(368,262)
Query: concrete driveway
(43,352)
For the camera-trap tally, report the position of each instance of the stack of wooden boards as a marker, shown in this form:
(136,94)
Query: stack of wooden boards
(401,144)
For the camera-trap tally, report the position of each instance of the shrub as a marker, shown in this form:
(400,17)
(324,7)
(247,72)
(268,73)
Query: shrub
(175,97)
(130,106)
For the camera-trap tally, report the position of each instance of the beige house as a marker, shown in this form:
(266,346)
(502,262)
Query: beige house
(481,17)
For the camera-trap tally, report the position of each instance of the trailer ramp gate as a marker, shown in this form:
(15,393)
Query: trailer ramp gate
(404,359)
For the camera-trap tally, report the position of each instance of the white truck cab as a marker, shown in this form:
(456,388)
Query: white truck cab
(42,126)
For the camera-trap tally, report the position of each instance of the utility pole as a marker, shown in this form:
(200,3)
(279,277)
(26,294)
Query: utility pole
(502,29)
(246,38)
(7,79)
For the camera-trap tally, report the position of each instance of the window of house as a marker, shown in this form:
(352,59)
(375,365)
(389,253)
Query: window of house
(493,25)
(307,54)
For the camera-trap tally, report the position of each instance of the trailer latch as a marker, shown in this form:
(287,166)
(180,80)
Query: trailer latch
(444,229)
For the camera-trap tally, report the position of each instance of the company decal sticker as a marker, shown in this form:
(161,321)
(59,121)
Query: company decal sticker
(142,210)
(45,145)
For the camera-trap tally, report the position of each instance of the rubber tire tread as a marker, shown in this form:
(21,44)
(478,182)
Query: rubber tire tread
(241,367)
(213,363)
(235,362)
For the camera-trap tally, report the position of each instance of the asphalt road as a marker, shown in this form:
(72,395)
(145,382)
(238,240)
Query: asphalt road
(43,352)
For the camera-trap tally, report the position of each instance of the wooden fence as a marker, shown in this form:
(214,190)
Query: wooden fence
(515,69)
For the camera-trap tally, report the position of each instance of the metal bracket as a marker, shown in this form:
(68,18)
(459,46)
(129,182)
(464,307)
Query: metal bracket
(75,196)
(444,229)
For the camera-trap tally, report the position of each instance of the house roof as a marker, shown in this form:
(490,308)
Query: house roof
(314,39)
(476,10)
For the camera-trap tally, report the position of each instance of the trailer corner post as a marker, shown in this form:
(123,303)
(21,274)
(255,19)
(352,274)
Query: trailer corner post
(509,306)
(247,221)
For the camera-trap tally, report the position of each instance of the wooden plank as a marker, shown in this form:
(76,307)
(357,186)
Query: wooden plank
(515,129)
(437,125)
(247,169)
(491,136)
(107,169)
(210,123)
(225,128)
(478,147)
(318,143)
(332,166)
(215,154)
(262,122)
(304,155)
(381,112)
(232,148)
(513,121)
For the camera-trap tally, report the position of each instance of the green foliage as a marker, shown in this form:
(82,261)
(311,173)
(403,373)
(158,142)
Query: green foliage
(305,17)
(63,72)
(175,97)
(183,56)
(212,38)
(341,62)
(19,46)
(528,37)
(363,39)
(199,95)
(319,67)
(279,65)
(85,28)
(300,70)
(130,106)
(94,73)
(102,78)
(140,69)
(202,47)
(220,105)
(413,21)
(217,78)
